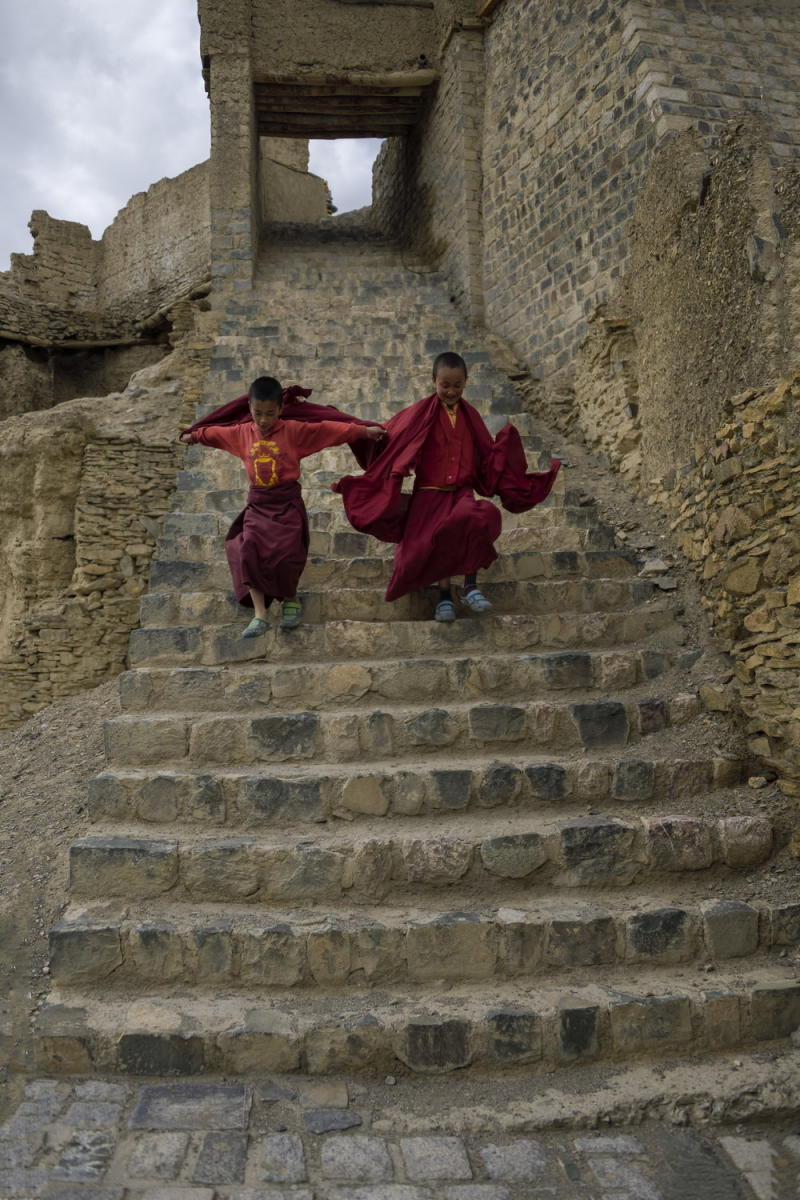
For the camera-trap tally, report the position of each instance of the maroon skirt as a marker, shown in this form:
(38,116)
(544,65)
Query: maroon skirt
(446,533)
(267,544)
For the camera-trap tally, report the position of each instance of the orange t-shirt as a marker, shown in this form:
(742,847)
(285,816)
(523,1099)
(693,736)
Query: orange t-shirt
(275,458)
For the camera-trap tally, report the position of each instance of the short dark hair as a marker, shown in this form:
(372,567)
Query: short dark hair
(264,388)
(449,359)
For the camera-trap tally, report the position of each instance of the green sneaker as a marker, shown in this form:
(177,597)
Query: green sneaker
(257,627)
(291,612)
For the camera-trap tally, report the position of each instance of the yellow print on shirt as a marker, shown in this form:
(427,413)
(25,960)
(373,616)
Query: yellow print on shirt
(265,454)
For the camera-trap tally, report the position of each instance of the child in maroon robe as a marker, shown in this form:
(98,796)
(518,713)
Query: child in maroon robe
(267,544)
(442,530)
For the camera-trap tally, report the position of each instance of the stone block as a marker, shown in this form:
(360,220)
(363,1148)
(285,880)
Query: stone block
(678,843)
(289,736)
(161,1054)
(331,1120)
(597,850)
(90,1114)
(434,727)
(513,856)
(730,928)
(514,1036)
(722,1019)
(601,723)
(587,939)
(634,779)
(453,946)
(653,716)
(548,781)
(282,1159)
(433,1045)
(364,795)
(356,1158)
(129,867)
(86,1156)
(785,925)
(663,935)
(451,789)
(518,1161)
(83,951)
(437,861)
(156,950)
(433,1158)
(222,1158)
(192,1106)
(745,841)
(302,873)
(158,1155)
(281,801)
(647,1023)
(222,869)
(775,1009)
(496,723)
(329,955)
(346,1046)
(569,669)
(578,1030)
(500,783)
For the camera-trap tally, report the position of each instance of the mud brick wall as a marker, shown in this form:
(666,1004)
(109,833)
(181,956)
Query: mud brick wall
(736,516)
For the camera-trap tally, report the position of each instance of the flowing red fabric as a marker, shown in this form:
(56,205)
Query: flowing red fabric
(446,533)
(267,544)
(375,503)
(294,408)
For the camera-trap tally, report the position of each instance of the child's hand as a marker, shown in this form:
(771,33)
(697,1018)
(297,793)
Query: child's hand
(186,438)
(374,432)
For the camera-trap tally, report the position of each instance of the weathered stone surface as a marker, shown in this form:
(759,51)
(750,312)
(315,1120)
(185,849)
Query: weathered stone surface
(679,843)
(578,1030)
(513,856)
(587,939)
(601,723)
(282,1159)
(730,928)
(515,1036)
(547,781)
(222,1158)
(429,1158)
(192,1106)
(664,935)
(433,1045)
(775,1010)
(638,1025)
(356,1158)
(158,1155)
(518,1161)
(453,946)
(745,840)
(634,779)
(331,1120)
(436,860)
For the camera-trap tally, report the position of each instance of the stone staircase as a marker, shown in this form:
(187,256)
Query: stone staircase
(377,843)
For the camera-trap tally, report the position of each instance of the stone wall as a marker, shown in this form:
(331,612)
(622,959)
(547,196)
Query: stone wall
(290,194)
(736,516)
(157,248)
(84,489)
(677,383)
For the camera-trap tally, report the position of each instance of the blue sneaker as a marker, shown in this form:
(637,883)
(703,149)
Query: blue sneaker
(445,611)
(474,599)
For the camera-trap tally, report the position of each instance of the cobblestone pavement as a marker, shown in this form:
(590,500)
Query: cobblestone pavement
(296,1140)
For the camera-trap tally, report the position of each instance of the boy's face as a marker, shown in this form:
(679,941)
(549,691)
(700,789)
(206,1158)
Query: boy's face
(450,383)
(265,413)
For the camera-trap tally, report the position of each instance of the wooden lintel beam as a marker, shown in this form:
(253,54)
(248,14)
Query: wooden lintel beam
(287,89)
(323,133)
(396,79)
(339,110)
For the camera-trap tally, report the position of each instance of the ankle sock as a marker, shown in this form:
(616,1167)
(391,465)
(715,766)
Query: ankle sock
(445,594)
(470,581)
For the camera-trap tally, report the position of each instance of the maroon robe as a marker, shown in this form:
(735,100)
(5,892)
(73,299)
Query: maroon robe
(441,533)
(267,544)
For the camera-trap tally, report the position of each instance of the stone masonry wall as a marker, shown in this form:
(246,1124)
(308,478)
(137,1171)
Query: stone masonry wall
(578,99)
(84,489)
(735,514)
(72,288)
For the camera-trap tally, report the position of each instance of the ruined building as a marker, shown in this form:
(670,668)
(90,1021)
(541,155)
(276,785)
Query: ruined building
(602,203)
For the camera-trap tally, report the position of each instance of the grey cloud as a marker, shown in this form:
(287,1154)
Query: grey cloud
(101,99)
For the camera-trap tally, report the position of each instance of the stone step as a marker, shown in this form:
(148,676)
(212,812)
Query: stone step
(635,1013)
(406,863)
(232,947)
(205,628)
(367,603)
(352,734)
(207,551)
(261,686)
(241,798)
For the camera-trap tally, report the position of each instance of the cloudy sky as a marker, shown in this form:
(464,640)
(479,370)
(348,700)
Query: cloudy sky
(101,98)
